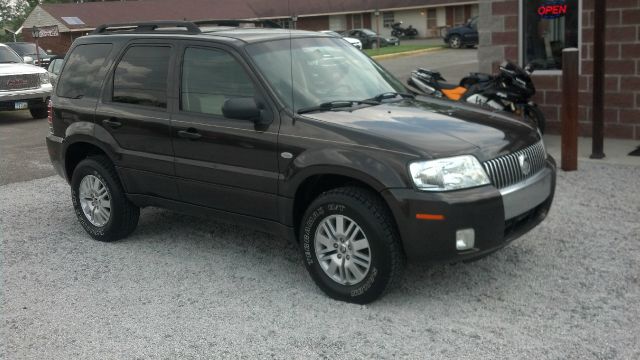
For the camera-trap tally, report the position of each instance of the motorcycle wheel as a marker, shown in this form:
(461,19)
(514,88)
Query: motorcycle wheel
(535,115)
(395,33)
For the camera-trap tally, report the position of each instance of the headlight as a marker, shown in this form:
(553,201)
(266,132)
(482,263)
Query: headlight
(453,173)
(44,78)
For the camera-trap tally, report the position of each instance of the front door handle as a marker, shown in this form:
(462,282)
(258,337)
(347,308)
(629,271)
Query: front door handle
(112,123)
(191,134)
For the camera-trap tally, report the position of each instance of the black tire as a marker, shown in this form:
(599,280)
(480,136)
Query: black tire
(370,213)
(124,215)
(396,33)
(455,42)
(536,116)
(38,112)
(374,44)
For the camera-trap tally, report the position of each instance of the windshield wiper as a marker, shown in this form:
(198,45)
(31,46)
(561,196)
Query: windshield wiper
(336,105)
(391,95)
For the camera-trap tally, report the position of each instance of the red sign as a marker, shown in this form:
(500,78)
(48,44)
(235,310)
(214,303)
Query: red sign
(553,9)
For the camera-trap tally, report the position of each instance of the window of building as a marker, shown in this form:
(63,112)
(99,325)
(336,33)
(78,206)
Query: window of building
(357,21)
(387,19)
(548,27)
(432,18)
(209,77)
(458,15)
(141,76)
(84,71)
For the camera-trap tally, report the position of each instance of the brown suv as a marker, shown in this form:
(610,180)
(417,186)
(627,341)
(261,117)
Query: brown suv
(293,132)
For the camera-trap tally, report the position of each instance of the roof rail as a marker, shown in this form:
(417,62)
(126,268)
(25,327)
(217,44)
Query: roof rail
(150,26)
(237,23)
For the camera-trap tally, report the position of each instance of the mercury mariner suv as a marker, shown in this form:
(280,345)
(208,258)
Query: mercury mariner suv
(292,132)
(22,86)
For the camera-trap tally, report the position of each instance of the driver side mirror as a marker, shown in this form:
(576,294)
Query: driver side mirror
(246,108)
(28,60)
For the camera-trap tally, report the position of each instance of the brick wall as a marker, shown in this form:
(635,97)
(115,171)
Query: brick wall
(498,27)
(314,23)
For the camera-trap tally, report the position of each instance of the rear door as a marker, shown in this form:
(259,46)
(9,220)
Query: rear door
(134,111)
(225,164)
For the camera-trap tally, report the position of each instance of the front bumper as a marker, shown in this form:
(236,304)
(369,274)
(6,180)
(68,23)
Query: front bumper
(35,97)
(496,216)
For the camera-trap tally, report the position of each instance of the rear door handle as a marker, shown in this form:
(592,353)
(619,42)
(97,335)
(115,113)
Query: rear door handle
(112,123)
(191,134)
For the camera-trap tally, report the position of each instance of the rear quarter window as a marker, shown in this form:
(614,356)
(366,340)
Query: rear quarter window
(84,71)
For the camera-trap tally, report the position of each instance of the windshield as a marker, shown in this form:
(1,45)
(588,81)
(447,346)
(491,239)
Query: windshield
(312,71)
(8,56)
(27,49)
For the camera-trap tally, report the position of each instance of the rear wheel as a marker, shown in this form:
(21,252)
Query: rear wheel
(100,202)
(350,245)
(536,116)
(455,42)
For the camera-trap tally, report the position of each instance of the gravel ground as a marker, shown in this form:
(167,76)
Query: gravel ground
(183,287)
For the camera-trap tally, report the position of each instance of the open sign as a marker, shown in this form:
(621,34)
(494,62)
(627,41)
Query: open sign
(552,9)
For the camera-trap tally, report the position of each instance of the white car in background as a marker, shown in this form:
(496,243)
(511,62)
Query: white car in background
(23,86)
(353,41)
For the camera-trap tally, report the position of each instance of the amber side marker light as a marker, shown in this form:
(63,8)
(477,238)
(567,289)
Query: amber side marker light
(429,217)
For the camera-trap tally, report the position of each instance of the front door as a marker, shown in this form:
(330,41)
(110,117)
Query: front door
(221,163)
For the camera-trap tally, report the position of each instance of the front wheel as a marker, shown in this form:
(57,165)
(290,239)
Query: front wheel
(38,112)
(350,245)
(455,42)
(536,116)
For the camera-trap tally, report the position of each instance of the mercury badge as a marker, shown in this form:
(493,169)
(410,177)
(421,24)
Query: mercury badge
(525,167)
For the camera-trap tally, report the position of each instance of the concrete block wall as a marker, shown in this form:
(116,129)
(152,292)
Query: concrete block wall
(498,31)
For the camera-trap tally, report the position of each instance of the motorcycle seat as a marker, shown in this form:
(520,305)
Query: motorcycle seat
(447,86)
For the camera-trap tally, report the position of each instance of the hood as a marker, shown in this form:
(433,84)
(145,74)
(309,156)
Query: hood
(17,69)
(435,128)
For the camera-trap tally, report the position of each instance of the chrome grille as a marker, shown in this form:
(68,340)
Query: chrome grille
(19,82)
(506,170)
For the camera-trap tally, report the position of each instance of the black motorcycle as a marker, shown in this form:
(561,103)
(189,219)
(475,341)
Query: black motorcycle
(510,90)
(399,31)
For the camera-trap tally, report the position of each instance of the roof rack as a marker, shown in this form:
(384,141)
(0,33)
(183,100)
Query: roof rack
(151,26)
(190,27)
(237,23)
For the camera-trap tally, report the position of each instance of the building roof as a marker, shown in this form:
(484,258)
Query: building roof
(76,16)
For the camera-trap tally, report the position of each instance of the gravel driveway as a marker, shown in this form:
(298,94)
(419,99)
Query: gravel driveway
(183,287)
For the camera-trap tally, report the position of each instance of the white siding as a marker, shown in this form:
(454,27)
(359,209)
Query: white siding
(416,18)
(442,16)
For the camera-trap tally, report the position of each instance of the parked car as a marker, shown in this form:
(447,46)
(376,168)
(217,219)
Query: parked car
(25,49)
(22,86)
(54,69)
(353,41)
(369,38)
(293,132)
(463,36)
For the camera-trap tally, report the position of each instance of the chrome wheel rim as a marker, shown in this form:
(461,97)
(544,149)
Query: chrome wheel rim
(455,42)
(95,200)
(342,250)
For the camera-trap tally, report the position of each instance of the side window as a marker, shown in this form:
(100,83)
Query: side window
(209,77)
(141,76)
(84,71)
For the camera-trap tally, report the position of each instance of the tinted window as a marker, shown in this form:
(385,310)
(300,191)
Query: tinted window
(84,72)
(141,76)
(209,77)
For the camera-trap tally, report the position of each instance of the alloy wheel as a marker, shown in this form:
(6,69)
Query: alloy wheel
(95,200)
(342,250)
